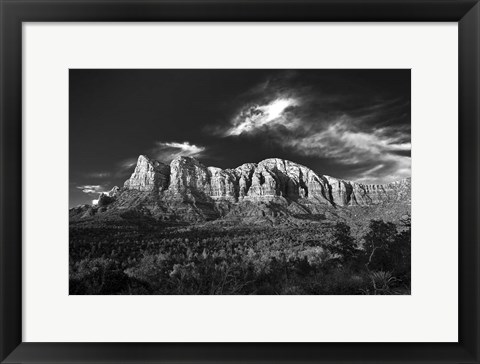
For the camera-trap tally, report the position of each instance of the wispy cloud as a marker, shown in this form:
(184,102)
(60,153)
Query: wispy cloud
(341,140)
(162,151)
(124,168)
(91,189)
(257,116)
(369,136)
(127,163)
(167,151)
(375,157)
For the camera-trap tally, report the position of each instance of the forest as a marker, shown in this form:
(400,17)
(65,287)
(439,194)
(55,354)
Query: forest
(316,259)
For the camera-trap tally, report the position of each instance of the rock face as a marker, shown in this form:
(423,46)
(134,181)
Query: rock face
(106,198)
(272,186)
(281,178)
(189,176)
(149,175)
(223,184)
(399,191)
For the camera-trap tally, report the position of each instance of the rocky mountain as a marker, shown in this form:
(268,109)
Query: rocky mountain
(149,175)
(188,190)
(106,198)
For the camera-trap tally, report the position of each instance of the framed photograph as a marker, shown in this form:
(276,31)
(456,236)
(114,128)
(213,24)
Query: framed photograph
(239,181)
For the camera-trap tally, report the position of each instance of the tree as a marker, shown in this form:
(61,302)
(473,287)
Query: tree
(343,246)
(378,243)
(401,250)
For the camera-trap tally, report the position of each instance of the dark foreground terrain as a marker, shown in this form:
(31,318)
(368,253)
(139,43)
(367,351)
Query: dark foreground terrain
(318,257)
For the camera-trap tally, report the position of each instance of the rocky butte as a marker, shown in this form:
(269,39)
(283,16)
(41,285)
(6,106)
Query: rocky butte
(189,191)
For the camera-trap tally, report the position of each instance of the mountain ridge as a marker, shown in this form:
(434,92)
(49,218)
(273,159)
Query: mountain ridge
(189,190)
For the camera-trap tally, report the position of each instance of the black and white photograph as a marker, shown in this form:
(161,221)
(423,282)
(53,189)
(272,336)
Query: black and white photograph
(239,182)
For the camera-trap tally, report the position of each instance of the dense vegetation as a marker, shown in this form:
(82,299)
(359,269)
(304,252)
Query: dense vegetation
(318,258)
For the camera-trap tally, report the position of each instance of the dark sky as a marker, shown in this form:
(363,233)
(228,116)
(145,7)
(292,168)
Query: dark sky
(351,124)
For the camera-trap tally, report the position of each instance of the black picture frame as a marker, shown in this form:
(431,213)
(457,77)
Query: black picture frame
(14,12)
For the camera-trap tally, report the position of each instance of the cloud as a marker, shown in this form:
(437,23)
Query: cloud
(364,135)
(341,141)
(127,163)
(125,166)
(91,189)
(257,116)
(375,157)
(163,152)
(167,151)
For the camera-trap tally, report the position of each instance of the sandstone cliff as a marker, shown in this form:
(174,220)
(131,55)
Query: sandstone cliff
(149,175)
(186,189)
(268,180)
